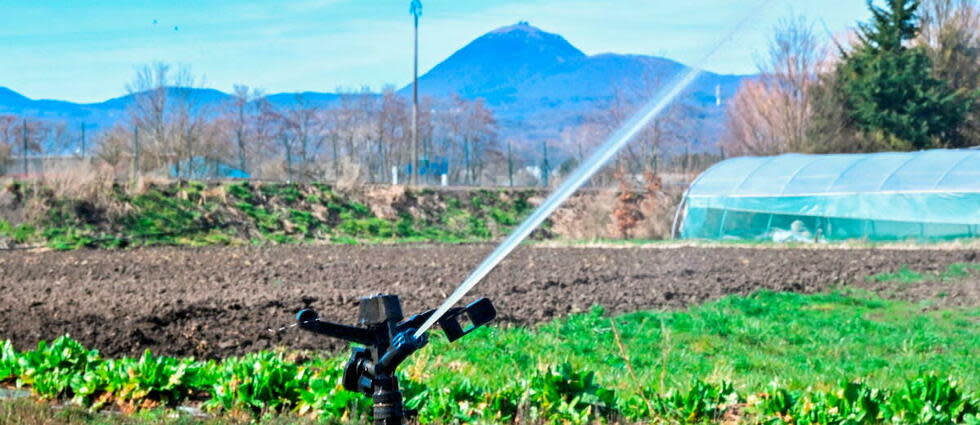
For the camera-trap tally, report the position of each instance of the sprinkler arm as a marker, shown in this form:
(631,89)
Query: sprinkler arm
(479,313)
(310,320)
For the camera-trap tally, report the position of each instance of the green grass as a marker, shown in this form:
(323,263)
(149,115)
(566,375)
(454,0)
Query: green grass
(906,275)
(21,233)
(800,340)
(840,358)
(194,214)
(28,412)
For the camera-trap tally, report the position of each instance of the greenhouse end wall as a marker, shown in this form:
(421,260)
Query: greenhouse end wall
(928,195)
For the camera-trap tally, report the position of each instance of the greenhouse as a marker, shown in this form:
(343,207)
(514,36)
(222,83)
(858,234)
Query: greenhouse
(928,195)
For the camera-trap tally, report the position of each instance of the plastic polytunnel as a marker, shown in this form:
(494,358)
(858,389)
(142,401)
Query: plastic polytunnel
(930,195)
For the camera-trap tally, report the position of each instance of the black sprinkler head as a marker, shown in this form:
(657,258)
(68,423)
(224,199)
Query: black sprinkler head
(388,341)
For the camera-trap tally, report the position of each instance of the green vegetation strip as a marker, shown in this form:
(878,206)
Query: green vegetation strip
(769,358)
(194,214)
(906,275)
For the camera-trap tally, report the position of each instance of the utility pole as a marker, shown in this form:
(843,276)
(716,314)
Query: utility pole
(83,140)
(510,164)
(416,10)
(545,167)
(24,151)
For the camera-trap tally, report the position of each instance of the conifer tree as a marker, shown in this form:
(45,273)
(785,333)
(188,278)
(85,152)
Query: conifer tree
(888,87)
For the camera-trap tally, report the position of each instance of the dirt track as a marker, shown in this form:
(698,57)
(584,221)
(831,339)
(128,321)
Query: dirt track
(213,302)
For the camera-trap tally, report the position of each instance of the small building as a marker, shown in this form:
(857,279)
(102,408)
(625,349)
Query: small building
(927,195)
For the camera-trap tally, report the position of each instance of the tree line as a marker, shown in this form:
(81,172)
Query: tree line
(171,129)
(909,79)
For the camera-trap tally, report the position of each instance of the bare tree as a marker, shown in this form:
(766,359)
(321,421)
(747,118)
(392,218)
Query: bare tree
(30,140)
(771,114)
(479,137)
(345,120)
(169,115)
(300,135)
(667,132)
(308,127)
(951,34)
(9,130)
(392,135)
(242,117)
(114,147)
(449,131)
(465,132)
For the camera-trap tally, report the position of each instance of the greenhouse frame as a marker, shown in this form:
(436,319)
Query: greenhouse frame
(927,195)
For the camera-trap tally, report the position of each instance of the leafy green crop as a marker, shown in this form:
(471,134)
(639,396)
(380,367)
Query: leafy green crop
(257,382)
(9,363)
(931,400)
(322,395)
(51,368)
(789,351)
(563,395)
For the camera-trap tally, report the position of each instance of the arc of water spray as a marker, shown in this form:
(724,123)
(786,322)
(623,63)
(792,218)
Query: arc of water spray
(602,155)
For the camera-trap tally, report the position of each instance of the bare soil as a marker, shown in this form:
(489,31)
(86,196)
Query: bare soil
(221,301)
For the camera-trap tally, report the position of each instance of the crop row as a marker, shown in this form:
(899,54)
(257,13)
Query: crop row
(267,382)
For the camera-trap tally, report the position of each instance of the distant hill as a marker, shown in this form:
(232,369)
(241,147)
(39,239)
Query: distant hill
(105,114)
(537,83)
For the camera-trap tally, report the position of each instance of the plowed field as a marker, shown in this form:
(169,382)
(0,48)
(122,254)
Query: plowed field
(219,301)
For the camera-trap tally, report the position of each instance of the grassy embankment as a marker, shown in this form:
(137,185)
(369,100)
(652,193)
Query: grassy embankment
(192,213)
(839,358)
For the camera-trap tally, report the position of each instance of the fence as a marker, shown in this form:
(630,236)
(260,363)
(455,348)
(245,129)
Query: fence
(437,172)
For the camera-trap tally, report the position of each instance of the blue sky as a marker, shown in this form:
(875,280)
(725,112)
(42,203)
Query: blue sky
(87,50)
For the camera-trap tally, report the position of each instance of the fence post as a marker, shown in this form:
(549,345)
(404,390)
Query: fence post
(136,153)
(336,166)
(394,175)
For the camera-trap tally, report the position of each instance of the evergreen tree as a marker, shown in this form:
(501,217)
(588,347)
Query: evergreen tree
(888,88)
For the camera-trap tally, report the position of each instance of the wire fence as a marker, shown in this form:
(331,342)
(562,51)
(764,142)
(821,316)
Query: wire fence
(676,174)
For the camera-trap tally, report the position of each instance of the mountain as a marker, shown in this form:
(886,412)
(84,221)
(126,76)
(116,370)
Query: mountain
(495,65)
(105,114)
(536,82)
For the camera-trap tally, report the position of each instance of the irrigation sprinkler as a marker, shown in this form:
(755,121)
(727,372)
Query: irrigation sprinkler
(387,341)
